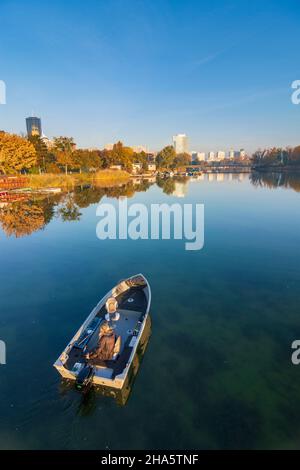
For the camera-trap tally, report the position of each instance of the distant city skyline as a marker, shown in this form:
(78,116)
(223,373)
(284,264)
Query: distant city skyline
(226,91)
(179,141)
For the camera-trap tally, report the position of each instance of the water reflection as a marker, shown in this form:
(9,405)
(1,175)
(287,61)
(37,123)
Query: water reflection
(33,212)
(30,213)
(276,180)
(26,217)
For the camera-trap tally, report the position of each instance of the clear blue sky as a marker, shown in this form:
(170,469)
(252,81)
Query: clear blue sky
(140,71)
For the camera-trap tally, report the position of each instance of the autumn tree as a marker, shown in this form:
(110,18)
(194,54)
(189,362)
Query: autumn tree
(295,155)
(182,159)
(63,148)
(122,155)
(165,158)
(141,157)
(43,156)
(16,153)
(85,159)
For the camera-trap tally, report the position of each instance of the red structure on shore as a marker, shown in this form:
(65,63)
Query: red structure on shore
(13,182)
(6,196)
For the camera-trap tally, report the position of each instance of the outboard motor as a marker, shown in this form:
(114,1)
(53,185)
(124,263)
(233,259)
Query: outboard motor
(85,378)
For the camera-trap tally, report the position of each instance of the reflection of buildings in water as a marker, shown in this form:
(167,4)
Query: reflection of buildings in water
(152,179)
(137,181)
(121,396)
(180,189)
(211,177)
(220,177)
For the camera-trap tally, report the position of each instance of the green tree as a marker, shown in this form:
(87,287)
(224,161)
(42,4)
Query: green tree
(42,153)
(166,157)
(141,157)
(182,159)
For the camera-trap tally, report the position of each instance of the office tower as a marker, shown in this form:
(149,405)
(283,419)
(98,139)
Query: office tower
(231,154)
(211,156)
(198,156)
(180,143)
(34,126)
(221,155)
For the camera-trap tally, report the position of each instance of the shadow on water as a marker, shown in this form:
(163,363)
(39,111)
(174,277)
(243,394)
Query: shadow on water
(90,397)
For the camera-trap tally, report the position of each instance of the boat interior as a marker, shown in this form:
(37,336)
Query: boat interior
(132,298)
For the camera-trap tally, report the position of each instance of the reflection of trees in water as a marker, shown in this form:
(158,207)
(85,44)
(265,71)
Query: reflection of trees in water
(69,211)
(276,180)
(166,184)
(26,217)
(84,196)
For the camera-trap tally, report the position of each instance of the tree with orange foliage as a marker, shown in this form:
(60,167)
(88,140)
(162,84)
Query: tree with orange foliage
(16,154)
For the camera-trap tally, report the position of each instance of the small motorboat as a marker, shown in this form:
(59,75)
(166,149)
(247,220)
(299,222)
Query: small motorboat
(133,298)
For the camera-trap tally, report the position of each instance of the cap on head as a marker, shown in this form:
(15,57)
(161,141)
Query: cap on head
(111,305)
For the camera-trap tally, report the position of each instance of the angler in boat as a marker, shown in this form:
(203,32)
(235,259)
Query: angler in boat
(103,349)
(108,346)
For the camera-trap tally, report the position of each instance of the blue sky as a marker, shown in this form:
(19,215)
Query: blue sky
(140,71)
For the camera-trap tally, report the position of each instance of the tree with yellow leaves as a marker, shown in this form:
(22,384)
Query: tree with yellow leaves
(16,153)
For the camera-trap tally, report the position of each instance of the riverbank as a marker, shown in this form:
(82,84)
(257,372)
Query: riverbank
(66,182)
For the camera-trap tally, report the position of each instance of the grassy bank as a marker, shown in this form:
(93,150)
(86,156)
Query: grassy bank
(101,178)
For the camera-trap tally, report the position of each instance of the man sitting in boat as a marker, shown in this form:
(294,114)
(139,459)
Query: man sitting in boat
(108,347)
(111,308)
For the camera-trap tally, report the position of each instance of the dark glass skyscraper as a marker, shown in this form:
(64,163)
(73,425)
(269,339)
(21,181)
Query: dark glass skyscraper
(34,126)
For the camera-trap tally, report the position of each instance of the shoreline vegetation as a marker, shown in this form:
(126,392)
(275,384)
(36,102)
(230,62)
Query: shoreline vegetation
(276,160)
(102,178)
(62,165)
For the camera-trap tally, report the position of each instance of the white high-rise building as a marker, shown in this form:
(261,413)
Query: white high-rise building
(180,142)
(221,155)
(201,156)
(198,156)
(231,154)
(211,156)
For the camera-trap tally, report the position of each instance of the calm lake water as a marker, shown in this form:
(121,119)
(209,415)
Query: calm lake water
(217,373)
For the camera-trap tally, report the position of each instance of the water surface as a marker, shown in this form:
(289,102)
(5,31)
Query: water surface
(217,372)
